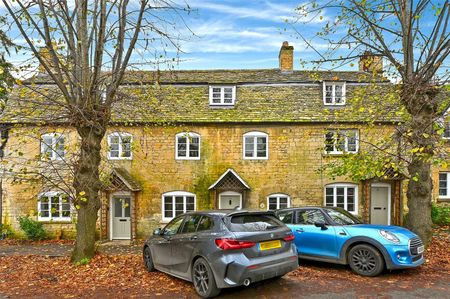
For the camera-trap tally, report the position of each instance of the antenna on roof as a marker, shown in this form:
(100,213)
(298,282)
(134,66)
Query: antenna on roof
(237,208)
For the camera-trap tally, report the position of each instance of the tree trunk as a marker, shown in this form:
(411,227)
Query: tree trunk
(419,99)
(419,199)
(87,185)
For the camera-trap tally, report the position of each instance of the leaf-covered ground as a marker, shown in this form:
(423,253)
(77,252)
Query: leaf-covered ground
(117,276)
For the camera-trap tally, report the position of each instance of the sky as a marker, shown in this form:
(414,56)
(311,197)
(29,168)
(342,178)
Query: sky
(233,34)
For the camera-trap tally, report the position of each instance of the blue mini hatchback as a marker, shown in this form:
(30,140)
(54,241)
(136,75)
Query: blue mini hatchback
(336,236)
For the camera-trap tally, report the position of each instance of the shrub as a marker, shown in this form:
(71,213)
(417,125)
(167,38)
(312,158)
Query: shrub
(33,230)
(83,262)
(440,214)
(5,231)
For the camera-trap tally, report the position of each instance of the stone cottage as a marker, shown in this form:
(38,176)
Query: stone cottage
(210,139)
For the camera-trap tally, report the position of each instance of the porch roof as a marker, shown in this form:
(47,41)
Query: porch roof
(121,179)
(229,175)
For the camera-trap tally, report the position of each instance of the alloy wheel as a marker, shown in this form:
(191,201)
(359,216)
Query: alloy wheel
(201,278)
(148,259)
(364,260)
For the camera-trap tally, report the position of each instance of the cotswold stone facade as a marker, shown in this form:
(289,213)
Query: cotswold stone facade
(187,140)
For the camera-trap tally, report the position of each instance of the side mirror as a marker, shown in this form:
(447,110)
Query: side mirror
(321,224)
(157,232)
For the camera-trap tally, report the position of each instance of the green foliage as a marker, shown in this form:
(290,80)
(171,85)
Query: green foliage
(83,262)
(5,231)
(32,229)
(440,215)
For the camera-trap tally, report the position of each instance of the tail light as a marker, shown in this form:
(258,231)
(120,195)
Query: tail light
(289,238)
(229,244)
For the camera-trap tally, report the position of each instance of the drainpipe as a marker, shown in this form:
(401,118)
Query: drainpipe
(3,140)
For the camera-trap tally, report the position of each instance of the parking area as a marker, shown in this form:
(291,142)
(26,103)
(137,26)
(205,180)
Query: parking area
(31,271)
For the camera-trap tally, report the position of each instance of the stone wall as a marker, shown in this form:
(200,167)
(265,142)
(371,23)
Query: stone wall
(295,155)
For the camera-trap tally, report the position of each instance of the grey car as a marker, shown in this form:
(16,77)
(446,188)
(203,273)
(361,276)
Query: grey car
(222,249)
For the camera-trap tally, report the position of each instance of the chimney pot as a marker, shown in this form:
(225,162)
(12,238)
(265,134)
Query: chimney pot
(286,58)
(370,63)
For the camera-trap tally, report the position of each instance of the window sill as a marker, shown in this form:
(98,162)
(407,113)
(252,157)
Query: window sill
(55,221)
(334,105)
(187,159)
(337,154)
(221,106)
(256,159)
(120,159)
(443,199)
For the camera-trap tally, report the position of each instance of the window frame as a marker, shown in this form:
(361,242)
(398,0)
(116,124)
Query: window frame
(222,95)
(54,156)
(444,121)
(447,187)
(120,135)
(278,196)
(255,135)
(345,186)
(174,194)
(335,142)
(188,135)
(446,128)
(333,96)
(49,195)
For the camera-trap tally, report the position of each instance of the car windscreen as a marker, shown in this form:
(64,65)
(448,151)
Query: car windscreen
(253,222)
(341,217)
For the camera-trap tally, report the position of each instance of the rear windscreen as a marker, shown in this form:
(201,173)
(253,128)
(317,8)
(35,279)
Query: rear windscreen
(253,223)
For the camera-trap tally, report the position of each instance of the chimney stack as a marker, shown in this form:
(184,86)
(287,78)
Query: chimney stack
(286,58)
(370,63)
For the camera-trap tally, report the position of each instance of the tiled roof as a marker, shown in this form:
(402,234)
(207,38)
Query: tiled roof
(234,76)
(261,96)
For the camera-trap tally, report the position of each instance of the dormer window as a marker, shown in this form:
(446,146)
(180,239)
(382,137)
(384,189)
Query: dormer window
(334,93)
(222,95)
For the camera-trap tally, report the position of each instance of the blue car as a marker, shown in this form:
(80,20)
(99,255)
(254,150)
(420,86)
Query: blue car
(336,236)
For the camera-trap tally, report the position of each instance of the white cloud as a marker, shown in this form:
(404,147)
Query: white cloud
(227,37)
(267,10)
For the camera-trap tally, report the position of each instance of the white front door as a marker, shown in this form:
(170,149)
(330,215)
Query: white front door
(230,200)
(121,220)
(379,206)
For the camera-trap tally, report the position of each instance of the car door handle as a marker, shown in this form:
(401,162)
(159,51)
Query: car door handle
(299,230)
(194,238)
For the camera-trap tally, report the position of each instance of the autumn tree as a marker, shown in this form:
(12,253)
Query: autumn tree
(413,37)
(86,48)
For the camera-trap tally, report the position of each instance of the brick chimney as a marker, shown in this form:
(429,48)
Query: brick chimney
(370,63)
(286,58)
(47,57)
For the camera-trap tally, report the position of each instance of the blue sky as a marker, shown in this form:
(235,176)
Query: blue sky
(231,34)
(240,34)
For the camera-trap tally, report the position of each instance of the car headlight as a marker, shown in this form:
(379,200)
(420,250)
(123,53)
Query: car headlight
(389,236)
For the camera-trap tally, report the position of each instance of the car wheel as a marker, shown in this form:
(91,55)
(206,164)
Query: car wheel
(365,260)
(203,279)
(148,261)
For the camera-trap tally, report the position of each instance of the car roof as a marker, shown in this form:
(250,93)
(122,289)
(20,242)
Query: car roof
(304,207)
(227,212)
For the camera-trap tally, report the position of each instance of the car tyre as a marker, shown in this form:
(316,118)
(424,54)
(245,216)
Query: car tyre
(366,260)
(148,260)
(203,279)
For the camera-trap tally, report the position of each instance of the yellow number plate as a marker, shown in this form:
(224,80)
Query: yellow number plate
(269,245)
